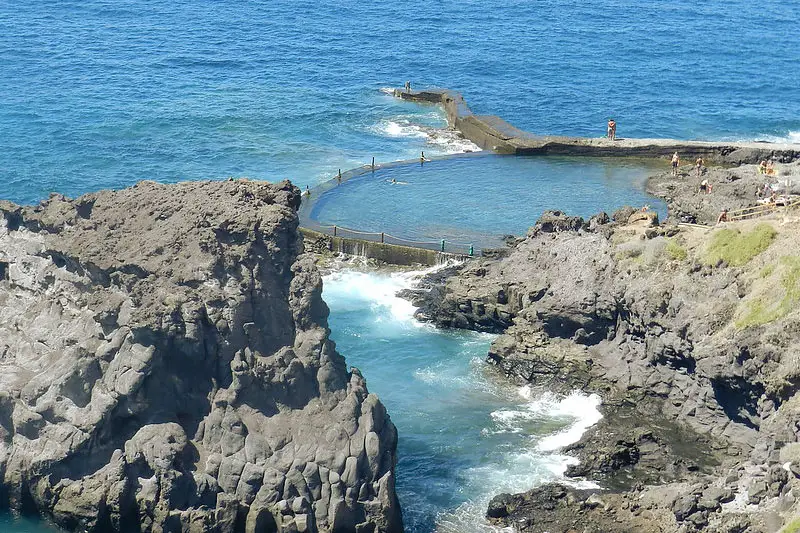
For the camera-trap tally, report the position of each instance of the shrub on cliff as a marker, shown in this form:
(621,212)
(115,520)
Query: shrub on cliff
(775,304)
(736,248)
(676,251)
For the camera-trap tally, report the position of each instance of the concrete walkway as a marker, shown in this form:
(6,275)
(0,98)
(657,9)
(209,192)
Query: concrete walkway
(493,133)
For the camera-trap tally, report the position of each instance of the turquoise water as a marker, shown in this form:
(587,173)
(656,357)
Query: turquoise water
(479,199)
(98,94)
(9,524)
(464,434)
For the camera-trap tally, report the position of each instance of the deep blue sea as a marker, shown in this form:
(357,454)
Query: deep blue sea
(97,94)
(104,93)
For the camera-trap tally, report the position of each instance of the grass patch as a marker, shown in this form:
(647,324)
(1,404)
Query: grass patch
(767,271)
(792,527)
(760,311)
(736,248)
(676,251)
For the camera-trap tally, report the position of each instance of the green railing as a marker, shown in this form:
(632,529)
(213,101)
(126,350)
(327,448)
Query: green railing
(439,245)
(442,245)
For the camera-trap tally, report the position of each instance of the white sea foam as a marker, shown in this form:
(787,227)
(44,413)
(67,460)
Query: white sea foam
(791,137)
(439,140)
(583,409)
(401,128)
(377,290)
(532,462)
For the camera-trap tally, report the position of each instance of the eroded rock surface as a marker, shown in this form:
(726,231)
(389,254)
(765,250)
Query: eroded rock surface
(697,362)
(165,366)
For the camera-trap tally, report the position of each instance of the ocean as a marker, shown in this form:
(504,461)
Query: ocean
(100,94)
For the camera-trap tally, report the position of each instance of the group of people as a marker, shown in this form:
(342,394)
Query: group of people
(698,166)
(766,167)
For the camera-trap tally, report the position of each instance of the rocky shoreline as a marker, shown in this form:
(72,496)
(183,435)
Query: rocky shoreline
(690,336)
(165,366)
(165,363)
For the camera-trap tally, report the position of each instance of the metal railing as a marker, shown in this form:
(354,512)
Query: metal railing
(442,245)
(761,210)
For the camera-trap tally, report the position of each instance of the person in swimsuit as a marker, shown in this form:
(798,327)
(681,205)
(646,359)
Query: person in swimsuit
(770,167)
(723,217)
(612,129)
(762,167)
(675,162)
(698,166)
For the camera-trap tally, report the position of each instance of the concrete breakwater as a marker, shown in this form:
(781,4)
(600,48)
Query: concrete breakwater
(493,133)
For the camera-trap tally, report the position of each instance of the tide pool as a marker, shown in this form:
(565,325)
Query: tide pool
(478,199)
(465,434)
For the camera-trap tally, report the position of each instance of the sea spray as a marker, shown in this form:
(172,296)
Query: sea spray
(432,127)
(465,433)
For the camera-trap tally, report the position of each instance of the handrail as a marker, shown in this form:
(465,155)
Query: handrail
(760,210)
(442,244)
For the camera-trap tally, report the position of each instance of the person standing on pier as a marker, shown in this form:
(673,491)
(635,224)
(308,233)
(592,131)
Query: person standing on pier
(612,129)
(675,162)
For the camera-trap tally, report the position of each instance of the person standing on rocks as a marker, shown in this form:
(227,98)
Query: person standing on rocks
(698,166)
(612,129)
(675,162)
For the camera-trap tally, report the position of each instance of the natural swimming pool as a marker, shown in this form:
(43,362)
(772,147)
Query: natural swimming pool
(477,199)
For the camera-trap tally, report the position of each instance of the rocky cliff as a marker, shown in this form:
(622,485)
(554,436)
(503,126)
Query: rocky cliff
(691,337)
(165,366)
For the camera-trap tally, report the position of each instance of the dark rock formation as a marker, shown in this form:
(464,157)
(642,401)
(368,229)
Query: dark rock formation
(731,188)
(694,387)
(165,366)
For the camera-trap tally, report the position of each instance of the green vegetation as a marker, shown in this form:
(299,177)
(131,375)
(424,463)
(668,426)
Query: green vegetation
(767,271)
(736,248)
(792,527)
(676,251)
(760,311)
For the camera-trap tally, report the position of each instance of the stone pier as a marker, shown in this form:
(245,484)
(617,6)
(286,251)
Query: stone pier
(493,133)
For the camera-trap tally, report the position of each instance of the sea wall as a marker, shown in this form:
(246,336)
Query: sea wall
(165,366)
(386,253)
(493,133)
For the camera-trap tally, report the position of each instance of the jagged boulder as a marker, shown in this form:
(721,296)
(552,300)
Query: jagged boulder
(165,363)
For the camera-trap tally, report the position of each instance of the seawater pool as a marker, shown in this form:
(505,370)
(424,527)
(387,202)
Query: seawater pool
(477,199)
